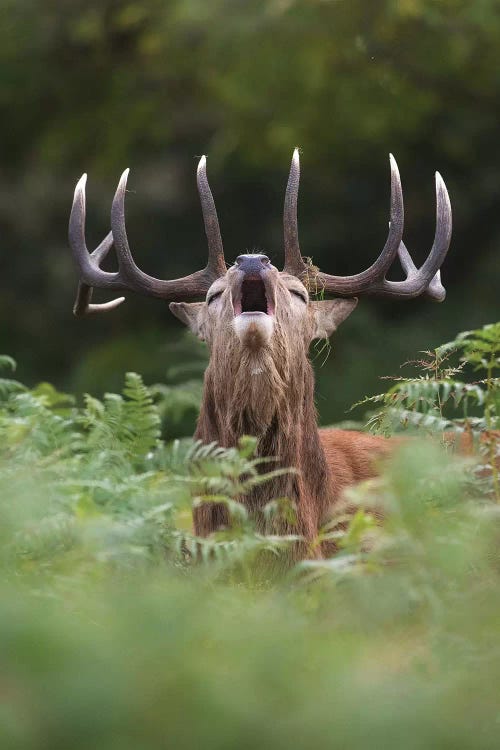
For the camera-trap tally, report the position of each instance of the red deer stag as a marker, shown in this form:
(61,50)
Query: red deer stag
(258,323)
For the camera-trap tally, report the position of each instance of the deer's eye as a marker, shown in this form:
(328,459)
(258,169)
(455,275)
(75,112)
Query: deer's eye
(298,294)
(213,297)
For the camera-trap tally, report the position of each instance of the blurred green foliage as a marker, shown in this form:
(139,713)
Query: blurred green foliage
(98,86)
(113,636)
(110,636)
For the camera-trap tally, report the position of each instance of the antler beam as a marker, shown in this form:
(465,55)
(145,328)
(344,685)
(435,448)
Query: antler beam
(129,277)
(372,281)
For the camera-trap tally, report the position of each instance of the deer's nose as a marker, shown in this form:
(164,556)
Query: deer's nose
(252,264)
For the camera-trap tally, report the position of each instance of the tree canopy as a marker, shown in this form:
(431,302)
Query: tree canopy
(98,86)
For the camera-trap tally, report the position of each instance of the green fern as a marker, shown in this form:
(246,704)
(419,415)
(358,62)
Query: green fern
(8,386)
(436,401)
(7,363)
(141,414)
(433,398)
(127,424)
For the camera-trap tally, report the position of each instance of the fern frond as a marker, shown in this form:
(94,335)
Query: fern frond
(8,387)
(7,363)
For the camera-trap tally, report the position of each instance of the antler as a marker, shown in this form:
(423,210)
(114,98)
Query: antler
(129,276)
(372,281)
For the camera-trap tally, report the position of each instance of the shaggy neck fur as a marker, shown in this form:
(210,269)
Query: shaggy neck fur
(255,391)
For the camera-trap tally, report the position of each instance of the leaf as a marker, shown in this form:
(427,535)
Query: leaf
(7,363)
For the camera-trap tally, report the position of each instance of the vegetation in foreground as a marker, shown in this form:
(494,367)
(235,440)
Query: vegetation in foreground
(111,636)
(243,82)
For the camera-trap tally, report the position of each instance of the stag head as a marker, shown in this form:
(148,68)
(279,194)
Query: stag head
(252,307)
(254,301)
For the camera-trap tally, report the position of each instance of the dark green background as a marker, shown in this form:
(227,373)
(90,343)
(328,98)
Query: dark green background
(99,86)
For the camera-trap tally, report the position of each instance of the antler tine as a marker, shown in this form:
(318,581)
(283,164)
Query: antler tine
(428,277)
(129,276)
(361,282)
(216,263)
(442,237)
(83,306)
(186,288)
(293,258)
(435,290)
(128,271)
(87,262)
(426,280)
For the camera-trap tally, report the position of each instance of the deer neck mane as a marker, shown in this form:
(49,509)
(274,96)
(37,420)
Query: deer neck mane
(274,402)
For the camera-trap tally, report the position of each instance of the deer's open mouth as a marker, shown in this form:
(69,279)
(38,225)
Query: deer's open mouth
(252,298)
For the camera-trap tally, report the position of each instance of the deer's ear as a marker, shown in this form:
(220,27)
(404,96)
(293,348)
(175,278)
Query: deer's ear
(190,313)
(329,314)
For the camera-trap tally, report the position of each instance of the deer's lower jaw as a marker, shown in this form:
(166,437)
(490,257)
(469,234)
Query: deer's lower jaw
(254,329)
(253,304)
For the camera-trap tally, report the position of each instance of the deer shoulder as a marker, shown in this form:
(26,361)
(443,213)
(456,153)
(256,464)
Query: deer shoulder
(353,456)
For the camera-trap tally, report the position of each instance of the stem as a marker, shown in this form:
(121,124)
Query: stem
(437,376)
(488,415)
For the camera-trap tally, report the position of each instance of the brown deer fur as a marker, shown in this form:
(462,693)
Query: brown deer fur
(260,382)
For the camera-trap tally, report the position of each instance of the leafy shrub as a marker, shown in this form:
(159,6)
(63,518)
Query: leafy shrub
(438,401)
(119,629)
